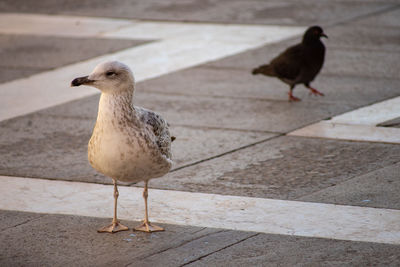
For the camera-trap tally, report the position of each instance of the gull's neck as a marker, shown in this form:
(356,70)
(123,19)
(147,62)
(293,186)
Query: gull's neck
(114,106)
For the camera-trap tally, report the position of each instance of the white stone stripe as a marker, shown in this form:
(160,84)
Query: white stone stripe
(373,114)
(204,210)
(359,124)
(330,130)
(89,27)
(58,25)
(183,45)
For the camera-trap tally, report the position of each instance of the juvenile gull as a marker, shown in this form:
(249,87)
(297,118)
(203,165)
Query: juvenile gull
(299,63)
(128,143)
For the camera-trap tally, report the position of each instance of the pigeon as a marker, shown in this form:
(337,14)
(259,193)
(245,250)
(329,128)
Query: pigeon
(299,63)
(128,143)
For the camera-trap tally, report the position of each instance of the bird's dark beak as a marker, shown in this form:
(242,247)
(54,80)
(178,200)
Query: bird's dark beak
(81,81)
(324,35)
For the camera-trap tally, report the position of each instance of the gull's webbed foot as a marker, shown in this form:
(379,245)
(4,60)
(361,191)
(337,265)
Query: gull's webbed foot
(148,227)
(113,228)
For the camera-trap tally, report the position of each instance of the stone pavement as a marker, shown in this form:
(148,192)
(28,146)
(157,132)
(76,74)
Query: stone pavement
(320,176)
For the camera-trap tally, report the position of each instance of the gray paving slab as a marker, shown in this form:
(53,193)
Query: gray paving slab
(370,37)
(218,112)
(351,92)
(232,82)
(13,219)
(24,55)
(61,240)
(267,12)
(362,63)
(275,250)
(50,147)
(378,189)
(348,92)
(7,74)
(192,251)
(284,168)
(53,143)
(196,144)
(386,19)
(239,113)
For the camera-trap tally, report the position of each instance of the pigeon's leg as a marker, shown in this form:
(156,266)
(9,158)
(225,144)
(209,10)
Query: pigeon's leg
(314,91)
(291,96)
(146,226)
(115,225)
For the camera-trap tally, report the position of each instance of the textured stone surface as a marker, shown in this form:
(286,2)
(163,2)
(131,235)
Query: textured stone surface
(275,250)
(195,144)
(12,219)
(389,19)
(364,63)
(59,240)
(369,36)
(283,168)
(287,12)
(235,113)
(237,82)
(24,55)
(53,143)
(361,69)
(378,189)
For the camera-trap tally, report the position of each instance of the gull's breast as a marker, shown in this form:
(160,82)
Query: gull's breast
(127,153)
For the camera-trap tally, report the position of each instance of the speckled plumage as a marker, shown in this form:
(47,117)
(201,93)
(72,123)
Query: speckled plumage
(128,143)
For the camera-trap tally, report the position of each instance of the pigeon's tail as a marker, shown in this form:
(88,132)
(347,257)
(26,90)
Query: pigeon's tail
(264,69)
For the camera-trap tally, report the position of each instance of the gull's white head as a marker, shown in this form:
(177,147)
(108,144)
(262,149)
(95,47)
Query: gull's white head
(108,77)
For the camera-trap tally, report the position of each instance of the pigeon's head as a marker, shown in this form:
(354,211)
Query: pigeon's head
(314,33)
(108,77)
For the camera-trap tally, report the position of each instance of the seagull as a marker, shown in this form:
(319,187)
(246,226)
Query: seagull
(128,143)
(299,63)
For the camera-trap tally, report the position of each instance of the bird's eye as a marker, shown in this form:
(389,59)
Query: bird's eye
(110,73)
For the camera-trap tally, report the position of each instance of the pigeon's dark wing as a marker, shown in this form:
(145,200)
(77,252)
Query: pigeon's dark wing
(160,129)
(288,64)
